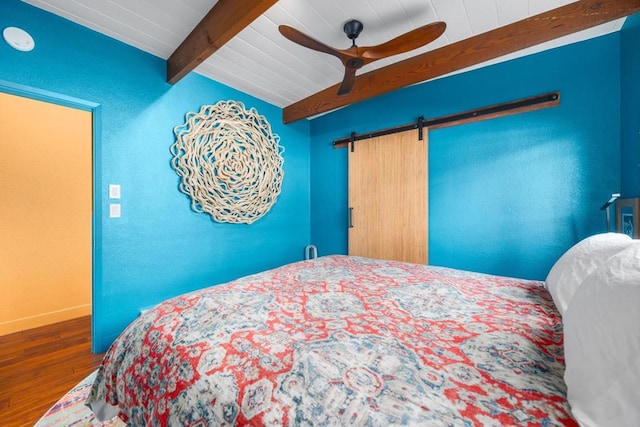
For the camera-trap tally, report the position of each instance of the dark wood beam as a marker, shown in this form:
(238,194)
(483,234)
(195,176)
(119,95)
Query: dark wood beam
(550,25)
(225,19)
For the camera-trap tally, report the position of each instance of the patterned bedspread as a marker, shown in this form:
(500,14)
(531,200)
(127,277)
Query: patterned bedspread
(343,341)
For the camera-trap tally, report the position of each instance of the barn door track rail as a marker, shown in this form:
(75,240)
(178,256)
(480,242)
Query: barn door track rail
(499,110)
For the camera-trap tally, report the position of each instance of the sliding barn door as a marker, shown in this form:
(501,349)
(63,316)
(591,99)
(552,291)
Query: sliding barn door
(388,181)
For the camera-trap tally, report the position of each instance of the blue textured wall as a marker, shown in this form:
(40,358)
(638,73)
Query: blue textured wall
(159,248)
(630,121)
(506,196)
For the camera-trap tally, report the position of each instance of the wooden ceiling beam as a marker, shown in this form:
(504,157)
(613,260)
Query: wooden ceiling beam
(225,19)
(537,29)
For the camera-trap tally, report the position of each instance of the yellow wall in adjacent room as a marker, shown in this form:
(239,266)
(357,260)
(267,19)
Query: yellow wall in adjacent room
(45,213)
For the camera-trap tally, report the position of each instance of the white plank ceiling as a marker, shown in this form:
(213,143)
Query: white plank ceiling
(261,62)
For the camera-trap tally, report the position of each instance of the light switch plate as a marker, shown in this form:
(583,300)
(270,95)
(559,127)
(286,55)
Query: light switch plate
(114,210)
(114,191)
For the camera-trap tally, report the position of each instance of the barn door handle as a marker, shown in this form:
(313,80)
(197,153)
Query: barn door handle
(350,217)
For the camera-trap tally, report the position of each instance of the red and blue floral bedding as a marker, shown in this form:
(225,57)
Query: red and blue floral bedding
(343,341)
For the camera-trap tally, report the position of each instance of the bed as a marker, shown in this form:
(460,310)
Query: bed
(343,340)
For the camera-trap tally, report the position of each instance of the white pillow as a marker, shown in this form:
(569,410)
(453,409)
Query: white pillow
(602,344)
(582,259)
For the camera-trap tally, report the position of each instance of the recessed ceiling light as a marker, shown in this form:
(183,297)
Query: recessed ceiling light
(18,38)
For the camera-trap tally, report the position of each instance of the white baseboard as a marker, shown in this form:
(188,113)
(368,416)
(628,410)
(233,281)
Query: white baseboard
(43,319)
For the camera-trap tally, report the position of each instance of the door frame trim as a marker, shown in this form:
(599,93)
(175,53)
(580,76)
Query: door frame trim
(96,225)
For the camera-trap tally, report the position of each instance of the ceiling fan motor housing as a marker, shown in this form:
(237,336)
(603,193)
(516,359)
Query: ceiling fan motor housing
(353,29)
(355,63)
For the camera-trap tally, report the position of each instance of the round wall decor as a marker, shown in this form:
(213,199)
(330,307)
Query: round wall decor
(229,161)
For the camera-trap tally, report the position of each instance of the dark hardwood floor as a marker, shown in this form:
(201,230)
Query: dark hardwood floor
(38,366)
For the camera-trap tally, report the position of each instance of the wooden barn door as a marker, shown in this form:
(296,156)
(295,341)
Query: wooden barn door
(388,181)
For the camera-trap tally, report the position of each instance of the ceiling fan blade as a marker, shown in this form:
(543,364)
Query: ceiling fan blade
(306,41)
(348,81)
(406,42)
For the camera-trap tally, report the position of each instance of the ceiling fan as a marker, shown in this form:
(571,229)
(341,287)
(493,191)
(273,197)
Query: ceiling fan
(356,57)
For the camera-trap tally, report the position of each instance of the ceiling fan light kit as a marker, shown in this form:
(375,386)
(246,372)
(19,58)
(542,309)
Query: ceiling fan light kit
(357,57)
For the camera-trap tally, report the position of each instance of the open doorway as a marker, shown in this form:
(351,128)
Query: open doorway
(46,188)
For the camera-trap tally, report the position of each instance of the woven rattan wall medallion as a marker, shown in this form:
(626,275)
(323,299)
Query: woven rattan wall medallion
(229,161)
